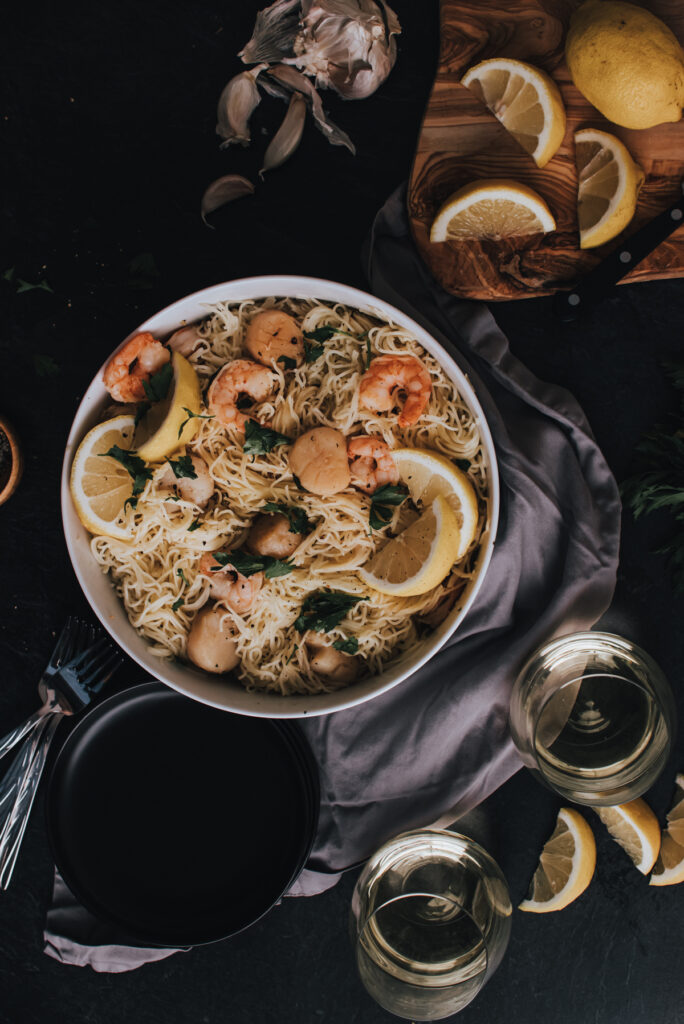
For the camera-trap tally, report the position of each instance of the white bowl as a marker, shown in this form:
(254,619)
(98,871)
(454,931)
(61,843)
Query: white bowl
(224,692)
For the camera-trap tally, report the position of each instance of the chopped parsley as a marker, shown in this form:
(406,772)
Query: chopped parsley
(193,416)
(288,362)
(260,440)
(179,572)
(296,517)
(348,646)
(134,465)
(157,387)
(314,341)
(325,609)
(194,525)
(183,467)
(248,565)
(383,501)
(178,603)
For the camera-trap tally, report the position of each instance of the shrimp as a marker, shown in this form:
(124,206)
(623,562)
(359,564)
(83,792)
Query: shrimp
(386,377)
(128,369)
(230,587)
(319,461)
(273,336)
(371,463)
(241,377)
(198,488)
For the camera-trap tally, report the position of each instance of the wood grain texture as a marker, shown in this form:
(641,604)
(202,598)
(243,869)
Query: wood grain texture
(460,141)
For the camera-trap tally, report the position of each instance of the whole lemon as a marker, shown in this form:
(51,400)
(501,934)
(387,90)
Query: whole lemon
(626,62)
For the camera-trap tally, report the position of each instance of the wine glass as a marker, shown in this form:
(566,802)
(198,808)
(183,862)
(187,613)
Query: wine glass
(593,717)
(430,923)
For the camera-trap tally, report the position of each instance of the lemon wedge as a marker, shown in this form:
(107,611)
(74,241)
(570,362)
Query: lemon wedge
(566,865)
(525,100)
(492,208)
(669,867)
(608,186)
(427,474)
(159,432)
(99,484)
(635,827)
(418,558)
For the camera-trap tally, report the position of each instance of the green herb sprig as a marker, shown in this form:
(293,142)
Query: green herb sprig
(248,565)
(193,416)
(325,609)
(314,341)
(349,645)
(288,362)
(261,440)
(134,465)
(157,387)
(183,467)
(296,517)
(383,503)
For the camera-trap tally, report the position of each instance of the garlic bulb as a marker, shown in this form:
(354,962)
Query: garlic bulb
(346,45)
(236,105)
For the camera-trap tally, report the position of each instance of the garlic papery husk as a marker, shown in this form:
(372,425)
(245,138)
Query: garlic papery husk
(288,136)
(347,45)
(283,79)
(236,105)
(224,190)
(275,30)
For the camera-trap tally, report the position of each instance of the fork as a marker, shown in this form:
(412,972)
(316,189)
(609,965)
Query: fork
(82,662)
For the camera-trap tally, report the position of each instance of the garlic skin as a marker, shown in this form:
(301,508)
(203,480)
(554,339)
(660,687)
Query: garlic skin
(224,190)
(287,138)
(346,45)
(283,79)
(236,105)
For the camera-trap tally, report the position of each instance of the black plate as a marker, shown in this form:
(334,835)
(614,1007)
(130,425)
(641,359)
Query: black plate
(177,823)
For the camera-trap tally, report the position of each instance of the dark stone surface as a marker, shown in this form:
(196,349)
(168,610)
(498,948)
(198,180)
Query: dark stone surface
(108,137)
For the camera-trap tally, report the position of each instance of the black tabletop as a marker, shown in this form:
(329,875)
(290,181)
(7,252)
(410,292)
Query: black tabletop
(108,134)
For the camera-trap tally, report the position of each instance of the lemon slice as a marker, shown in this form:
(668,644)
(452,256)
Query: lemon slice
(525,100)
(635,827)
(566,865)
(100,485)
(418,558)
(157,434)
(492,208)
(427,474)
(608,186)
(669,868)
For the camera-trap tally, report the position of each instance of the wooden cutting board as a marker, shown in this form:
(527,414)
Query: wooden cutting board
(461,141)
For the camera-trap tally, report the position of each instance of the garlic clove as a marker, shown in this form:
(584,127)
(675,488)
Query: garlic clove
(236,105)
(224,190)
(283,78)
(287,138)
(274,33)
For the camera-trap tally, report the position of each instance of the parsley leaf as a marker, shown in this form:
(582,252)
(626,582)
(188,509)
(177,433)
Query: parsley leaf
(247,564)
(324,609)
(194,525)
(260,440)
(315,340)
(192,416)
(157,387)
(296,517)
(179,572)
(137,468)
(183,467)
(382,502)
(288,362)
(348,646)
(463,464)
(312,352)
(294,651)
(178,603)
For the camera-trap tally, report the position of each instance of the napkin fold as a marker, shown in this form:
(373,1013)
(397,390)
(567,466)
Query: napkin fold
(438,744)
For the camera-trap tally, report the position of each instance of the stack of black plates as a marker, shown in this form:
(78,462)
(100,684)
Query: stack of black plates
(177,823)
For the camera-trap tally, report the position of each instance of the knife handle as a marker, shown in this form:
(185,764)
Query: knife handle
(597,284)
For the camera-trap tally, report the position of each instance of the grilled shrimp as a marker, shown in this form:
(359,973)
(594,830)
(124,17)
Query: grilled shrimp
(229,586)
(241,377)
(387,378)
(272,336)
(128,368)
(371,463)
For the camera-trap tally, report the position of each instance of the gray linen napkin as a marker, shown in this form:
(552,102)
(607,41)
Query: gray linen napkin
(438,744)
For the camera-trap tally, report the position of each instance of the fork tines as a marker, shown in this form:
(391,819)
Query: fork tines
(96,665)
